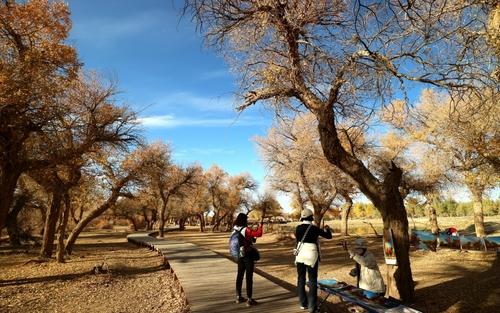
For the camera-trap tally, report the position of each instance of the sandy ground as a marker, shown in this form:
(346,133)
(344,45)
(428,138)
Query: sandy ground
(446,281)
(136,280)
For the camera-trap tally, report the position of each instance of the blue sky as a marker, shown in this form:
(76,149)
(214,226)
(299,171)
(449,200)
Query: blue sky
(182,90)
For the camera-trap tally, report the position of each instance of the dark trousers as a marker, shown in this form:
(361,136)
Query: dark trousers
(247,265)
(310,301)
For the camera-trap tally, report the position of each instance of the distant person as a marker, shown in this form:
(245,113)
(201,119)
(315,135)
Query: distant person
(452,231)
(308,257)
(366,270)
(247,262)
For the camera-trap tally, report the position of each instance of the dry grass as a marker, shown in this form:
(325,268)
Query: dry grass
(447,280)
(136,280)
(464,224)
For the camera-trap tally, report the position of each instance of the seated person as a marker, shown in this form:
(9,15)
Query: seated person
(367,271)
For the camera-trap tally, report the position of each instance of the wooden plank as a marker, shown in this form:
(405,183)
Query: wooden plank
(208,280)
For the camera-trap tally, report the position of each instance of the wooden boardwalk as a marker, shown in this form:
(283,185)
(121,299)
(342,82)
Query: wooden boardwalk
(208,280)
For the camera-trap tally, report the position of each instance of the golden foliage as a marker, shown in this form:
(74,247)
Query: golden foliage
(293,154)
(463,133)
(36,63)
(493,33)
(395,113)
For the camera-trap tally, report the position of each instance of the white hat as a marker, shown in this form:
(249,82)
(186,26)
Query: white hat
(360,243)
(306,213)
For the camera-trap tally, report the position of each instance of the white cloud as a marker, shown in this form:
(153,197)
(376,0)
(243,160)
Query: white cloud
(165,121)
(189,154)
(181,100)
(170,121)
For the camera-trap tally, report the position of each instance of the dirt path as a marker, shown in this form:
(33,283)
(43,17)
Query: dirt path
(136,280)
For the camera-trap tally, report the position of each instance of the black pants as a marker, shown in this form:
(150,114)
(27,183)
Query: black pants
(247,265)
(312,272)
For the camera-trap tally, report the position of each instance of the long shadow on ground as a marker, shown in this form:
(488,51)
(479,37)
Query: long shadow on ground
(472,292)
(123,271)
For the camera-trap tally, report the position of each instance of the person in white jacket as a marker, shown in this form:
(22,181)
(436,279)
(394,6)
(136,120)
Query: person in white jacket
(307,257)
(369,276)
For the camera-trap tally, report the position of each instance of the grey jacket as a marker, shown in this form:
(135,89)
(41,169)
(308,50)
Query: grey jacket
(370,276)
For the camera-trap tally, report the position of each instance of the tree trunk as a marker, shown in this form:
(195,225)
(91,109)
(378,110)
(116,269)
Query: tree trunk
(345,217)
(8,182)
(76,218)
(164,199)
(383,194)
(319,215)
(433,219)
(13,231)
(202,222)
(62,229)
(217,222)
(92,215)
(318,218)
(11,222)
(300,199)
(396,220)
(161,227)
(134,223)
(49,231)
(43,213)
(319,206)
(215,218)
(182,223)
(477,204)
(148,220)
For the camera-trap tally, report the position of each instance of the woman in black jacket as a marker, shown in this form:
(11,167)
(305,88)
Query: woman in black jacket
(246,263)
(307,258)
